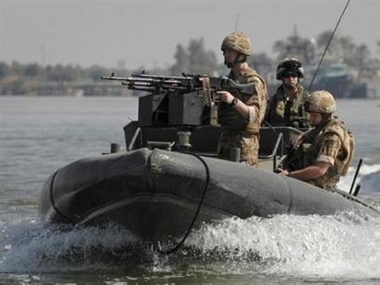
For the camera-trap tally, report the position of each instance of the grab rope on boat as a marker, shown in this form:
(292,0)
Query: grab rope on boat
(179,244)
(52,201)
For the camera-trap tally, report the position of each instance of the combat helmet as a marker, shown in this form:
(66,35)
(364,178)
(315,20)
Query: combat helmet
(289,65)
(320,101)
(237,41)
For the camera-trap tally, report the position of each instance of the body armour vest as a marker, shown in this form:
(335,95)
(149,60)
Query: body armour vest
(287,108)
(310,146)
(231,120)
(237,131)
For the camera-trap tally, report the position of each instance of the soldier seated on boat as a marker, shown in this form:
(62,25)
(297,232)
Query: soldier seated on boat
(325,152)
(240,115)
(286,106)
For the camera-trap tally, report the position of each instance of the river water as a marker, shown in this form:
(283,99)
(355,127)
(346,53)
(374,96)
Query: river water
(40,134)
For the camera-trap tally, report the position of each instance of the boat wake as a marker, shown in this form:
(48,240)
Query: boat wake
(296,246)
(325,247)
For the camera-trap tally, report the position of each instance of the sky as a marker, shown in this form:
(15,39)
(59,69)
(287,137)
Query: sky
(145,33)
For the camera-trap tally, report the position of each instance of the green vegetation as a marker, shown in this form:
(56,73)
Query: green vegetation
(34,79)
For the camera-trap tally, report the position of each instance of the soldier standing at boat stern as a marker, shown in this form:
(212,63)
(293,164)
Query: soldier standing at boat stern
(240,115)
(325,152)
(287,105)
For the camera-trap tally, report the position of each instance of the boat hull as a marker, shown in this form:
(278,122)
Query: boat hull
(157,194)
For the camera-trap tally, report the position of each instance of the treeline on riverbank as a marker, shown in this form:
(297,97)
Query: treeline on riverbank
(348,69)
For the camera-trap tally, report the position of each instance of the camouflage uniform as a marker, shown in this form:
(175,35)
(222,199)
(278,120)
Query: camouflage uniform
(286,107)
(238,131)
(331,142)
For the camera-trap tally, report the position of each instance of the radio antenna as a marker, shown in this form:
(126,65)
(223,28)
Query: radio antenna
(236,22)
(328,44)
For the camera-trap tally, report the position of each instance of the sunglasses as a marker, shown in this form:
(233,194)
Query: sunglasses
(288,75)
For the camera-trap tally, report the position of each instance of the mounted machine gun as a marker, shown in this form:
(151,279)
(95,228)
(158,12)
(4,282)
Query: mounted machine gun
(182,102)
(178,100)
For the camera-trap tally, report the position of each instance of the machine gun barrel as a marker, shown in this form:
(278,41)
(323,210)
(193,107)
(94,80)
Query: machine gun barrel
(154,83)
(185,83)
(117,78)
(161,77)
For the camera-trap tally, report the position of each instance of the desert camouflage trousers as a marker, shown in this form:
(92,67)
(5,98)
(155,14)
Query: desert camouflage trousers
(249,147)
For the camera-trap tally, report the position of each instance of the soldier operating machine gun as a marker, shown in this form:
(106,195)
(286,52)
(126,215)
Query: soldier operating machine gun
(181,102)
(157,84)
